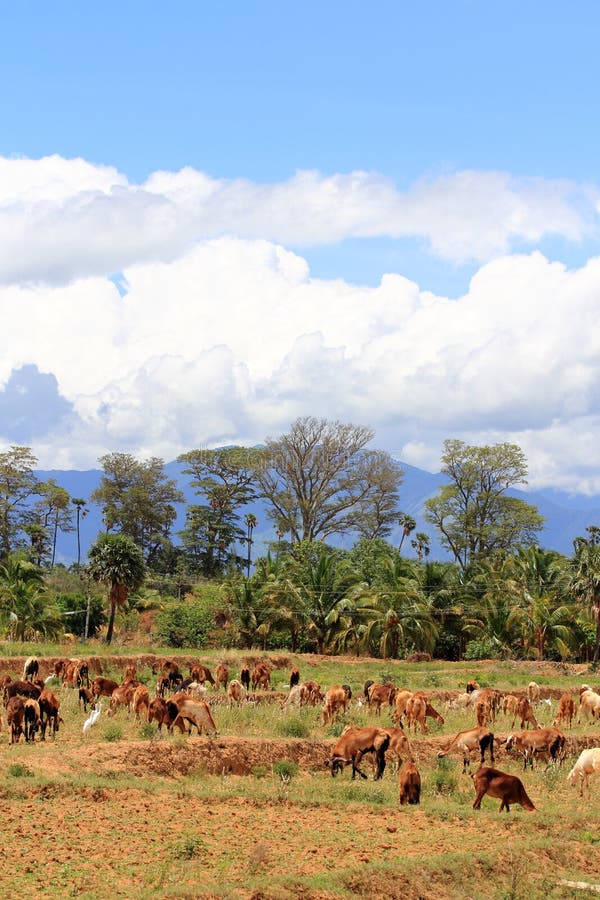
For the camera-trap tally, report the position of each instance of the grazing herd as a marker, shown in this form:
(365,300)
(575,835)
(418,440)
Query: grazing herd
(184,703)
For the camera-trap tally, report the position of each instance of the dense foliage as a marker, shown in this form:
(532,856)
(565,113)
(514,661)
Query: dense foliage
(501,595)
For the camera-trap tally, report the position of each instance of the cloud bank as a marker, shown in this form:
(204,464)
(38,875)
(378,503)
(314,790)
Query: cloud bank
(220,333)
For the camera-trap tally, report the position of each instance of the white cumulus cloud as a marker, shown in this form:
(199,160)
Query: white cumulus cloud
(63,220)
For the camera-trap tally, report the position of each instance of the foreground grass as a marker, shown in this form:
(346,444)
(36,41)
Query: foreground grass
(110,836)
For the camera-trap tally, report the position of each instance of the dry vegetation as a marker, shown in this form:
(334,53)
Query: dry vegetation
(124,812)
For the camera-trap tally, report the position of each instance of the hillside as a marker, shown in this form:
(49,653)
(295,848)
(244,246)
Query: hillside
(567,515)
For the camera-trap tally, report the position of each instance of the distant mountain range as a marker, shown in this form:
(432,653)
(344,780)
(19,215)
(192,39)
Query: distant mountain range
(567,515)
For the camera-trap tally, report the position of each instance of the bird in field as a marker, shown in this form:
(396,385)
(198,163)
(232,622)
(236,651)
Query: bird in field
(92,718)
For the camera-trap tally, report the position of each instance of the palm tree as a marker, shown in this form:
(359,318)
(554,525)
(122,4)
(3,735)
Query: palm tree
(251,522)
(539,615)
(247,609)
(24,604)
(405,618)
(116,561)
(585,578)
(408,525)
(318,582)
(79,503)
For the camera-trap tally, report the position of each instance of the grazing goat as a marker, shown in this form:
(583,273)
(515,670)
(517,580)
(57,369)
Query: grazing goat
(222,674)
(566,711)
(587,764)
(481,739)
(336,699)
(352,745)
(15,718)
(507,788)
(30,668)
(589,703)
(533,692)
(236,692)
(538,741)
(524,712)
(410,784)
(245,677)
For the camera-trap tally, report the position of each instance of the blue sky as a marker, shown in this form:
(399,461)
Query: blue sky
(287,195)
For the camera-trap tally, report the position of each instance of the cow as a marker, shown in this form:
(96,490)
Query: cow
(294,677)
(103,687)
(236,692)
(201,674)
(483,712)
(410,784)
(32,720)
(587,764)
(140,701)
(49,712)
(336,699)
(507,788)
(524,712)
(379,694)
(194,712)
(261,677)
(352,745)
(222,673)
(245,677)
(31,668)
(481,739)
(544,741)
(15,718)
(471,686)
(366,689)
(566,711)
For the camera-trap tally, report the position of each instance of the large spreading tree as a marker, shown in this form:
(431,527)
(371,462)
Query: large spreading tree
(138,499)
(320,479)
(473,513)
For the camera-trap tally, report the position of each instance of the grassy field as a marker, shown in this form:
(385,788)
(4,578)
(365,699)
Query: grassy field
(124,812)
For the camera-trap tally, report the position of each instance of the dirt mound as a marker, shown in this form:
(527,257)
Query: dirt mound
(215,756)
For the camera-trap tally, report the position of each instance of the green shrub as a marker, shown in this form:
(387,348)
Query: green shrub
(19,770)
(147,731)
(113,733)
(444,777)
(260,771)
(286,769)
(293,727)
(188,848)
(185,624)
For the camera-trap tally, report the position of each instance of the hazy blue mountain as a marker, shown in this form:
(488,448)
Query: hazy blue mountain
(567,515)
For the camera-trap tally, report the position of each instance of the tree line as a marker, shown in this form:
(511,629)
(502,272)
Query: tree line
(500,594)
